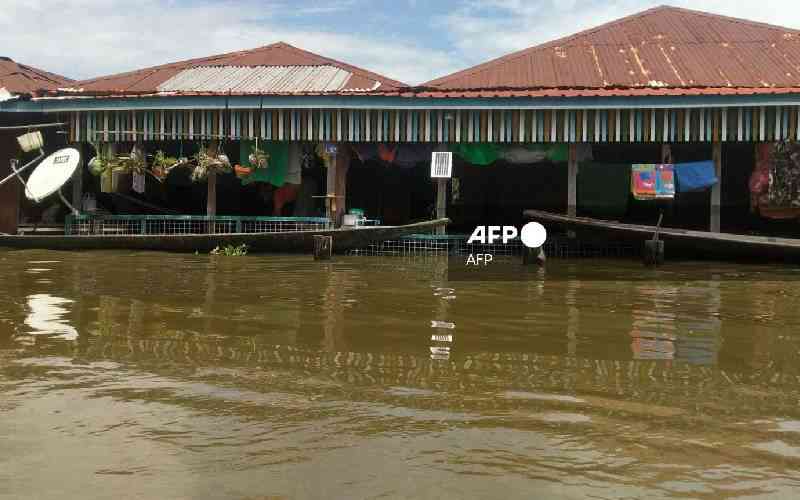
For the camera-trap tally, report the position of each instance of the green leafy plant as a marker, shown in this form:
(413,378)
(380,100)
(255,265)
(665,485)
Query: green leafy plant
(210,159)
(258,157)
(231,250)
(163,164)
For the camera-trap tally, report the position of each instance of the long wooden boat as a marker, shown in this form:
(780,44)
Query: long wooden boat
(290,241)
(681,242)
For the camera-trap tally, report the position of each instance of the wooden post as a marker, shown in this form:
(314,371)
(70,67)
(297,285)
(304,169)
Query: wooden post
(343,166)
(572,180)
(330,201)
(441,202)
(77,186)
(323,247)
(10,191)
(666,154)
(716,189)
(211,201)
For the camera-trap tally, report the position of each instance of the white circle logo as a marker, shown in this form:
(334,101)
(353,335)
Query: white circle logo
(533,235)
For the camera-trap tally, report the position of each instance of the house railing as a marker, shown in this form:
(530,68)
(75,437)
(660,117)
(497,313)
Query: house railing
(86,224)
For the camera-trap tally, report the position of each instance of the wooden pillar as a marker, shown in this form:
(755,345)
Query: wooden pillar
(337,185)
(666,154)
(330,183)
(10,191)
(441,203)
(77,185)
(211,201)
(572,180)
(716,189)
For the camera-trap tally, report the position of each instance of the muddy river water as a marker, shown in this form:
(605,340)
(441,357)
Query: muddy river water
(131,375)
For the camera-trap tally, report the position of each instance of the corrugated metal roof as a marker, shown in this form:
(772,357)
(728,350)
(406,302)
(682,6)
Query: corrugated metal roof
(21,79)
(664,47)
(239,67)
(258,79)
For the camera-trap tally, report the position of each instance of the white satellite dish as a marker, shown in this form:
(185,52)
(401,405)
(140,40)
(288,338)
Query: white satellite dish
(50,175)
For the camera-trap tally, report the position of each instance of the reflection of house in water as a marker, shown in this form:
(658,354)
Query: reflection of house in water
(46,317)
(665,331)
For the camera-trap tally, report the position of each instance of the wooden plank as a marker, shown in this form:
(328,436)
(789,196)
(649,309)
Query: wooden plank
(441,202)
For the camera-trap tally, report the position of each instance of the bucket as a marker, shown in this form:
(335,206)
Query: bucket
(31,141)
(349,220)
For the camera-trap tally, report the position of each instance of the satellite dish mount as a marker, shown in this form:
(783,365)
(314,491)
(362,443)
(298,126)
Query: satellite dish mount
(50,175)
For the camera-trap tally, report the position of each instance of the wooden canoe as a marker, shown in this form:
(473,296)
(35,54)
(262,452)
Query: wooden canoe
(278,242)
(682,242)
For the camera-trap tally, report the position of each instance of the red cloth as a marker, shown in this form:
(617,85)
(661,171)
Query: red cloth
(759,180)
(282,196)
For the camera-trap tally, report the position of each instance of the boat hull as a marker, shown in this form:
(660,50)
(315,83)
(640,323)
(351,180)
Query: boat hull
(284,242)
(681,242)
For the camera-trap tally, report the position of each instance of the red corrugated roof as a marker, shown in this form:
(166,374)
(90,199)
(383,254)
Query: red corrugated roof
(20,79)
(660,51)
(146,81)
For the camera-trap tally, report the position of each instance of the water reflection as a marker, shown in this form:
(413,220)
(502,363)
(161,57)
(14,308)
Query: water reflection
(46,316)
(372,374)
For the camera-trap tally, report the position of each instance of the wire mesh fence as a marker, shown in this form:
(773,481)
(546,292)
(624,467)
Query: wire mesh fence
(455,244)
(188,224)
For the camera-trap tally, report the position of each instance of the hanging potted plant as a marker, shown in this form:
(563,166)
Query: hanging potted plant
(163,165)
(242,171)
(258,157)
(210,159)
(102,165)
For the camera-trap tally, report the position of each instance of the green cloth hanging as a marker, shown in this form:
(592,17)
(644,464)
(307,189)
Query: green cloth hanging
(275,173)
(478,154)
(603,189)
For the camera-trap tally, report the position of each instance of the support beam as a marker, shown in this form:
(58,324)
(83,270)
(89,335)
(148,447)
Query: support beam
(343,166)
(336,196)
(10,191)
(441,202)
(572,180)
(666,154)
(716,190)
(330,183)
(211,201)
(77,185)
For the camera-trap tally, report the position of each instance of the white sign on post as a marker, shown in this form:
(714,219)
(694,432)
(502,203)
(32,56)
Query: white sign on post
(441,165)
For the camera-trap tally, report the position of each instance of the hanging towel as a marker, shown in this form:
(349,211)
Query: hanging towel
(477,154)
(643,181)
(651,181)
(138,183)
(603,189)
(275,173)
(694,176)
(665,181)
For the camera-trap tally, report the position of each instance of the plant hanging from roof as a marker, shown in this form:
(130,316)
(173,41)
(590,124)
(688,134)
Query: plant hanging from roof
(210,159)
(103,163)
(163,164)
(258,157)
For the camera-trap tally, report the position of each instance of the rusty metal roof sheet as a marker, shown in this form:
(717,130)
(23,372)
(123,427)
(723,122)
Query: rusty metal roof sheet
(660,48)
(259,79)
(21,79)
(296,70)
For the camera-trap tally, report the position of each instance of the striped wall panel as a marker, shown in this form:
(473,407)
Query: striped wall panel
(502,126)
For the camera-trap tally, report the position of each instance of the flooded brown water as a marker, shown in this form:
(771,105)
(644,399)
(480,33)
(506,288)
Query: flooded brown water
(166,376)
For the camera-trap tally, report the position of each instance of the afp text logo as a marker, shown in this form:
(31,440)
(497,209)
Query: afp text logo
(532,235)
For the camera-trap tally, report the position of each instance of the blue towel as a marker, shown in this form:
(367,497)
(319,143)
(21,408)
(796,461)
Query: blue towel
(695,176)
